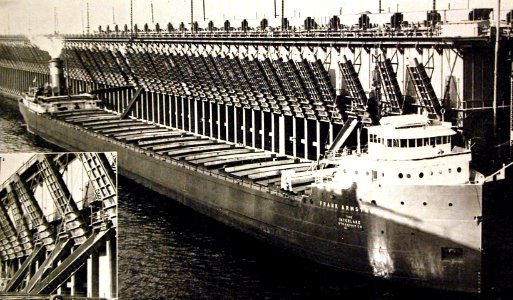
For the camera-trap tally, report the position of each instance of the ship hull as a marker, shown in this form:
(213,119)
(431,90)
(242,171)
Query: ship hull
(307,227)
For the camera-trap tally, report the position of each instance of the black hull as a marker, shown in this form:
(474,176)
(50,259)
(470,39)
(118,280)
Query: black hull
(402,253)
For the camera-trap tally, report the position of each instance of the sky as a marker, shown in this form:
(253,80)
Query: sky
(10,163)
(70,16)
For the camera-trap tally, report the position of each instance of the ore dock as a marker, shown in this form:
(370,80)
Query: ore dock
(253,122)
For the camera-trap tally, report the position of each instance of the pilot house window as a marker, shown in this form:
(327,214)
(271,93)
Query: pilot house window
(412,143)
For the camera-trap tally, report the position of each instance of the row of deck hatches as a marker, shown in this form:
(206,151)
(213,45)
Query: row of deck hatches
(257,166)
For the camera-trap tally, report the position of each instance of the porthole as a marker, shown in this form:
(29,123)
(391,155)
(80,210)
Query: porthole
(356,172)
(373,202)
(431,173)
(402,202)
(382,232)
(450,204)
(408,176)
(413,233)
(424,203)
(360,199)
(421,175)
(450,171)
(367,173)
(458,170)
(400,175)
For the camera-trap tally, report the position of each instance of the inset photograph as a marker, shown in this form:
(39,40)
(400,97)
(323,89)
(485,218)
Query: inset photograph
(58,225)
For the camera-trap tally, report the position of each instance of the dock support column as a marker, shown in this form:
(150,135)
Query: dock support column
(272,134)
(177,114)
(154,107)
(252,129)
(294,137)
(218,122)
(281,120)
(188,116)
(317,142)
(112,256)
(235,129)
(169,111)
(196,130)
(138,113)
(226,125)
(305,140)
(146,106)
(203,127)
(210,123)
(93,275)
(165,110)
(118,101)
(243,127)
(182,111)
(330,134)
(262,130)
(158,108)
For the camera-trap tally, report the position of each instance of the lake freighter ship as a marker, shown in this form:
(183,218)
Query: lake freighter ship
(403,206)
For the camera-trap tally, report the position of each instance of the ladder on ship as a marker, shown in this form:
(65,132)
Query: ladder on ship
(392,92)
(354,86)
(424,89)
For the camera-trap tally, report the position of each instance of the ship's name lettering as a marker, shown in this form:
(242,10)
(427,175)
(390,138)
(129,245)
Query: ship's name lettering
(349,208)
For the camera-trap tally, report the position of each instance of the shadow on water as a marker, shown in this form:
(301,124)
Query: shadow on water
(168,251)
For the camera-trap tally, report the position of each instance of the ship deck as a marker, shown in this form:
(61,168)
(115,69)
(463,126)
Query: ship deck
(259,166)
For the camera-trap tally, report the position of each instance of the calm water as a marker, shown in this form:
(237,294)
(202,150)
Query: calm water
(167,251)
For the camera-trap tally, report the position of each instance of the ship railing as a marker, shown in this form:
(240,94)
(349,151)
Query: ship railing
(345,152)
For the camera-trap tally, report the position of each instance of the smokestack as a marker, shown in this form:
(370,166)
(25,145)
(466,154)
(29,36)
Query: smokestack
(56,76)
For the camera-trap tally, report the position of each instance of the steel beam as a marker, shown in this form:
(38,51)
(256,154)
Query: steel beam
(131,103)
(45,234)
(24,234)
(74,224)
(13,245)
